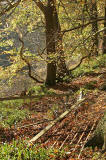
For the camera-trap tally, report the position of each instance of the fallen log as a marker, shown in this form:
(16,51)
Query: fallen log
(54,122)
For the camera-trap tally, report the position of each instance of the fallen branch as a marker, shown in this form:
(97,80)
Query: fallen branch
(63,142)
(33,124)
(56,141)
(36,96)
(54,122)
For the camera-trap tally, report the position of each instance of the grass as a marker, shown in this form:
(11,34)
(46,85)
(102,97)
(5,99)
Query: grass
(10,113)
(40,90)
(18,150)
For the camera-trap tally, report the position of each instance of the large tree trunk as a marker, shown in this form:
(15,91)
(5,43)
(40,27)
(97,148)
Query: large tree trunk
(55,53)
(50,45)
(104,38)
(94,16)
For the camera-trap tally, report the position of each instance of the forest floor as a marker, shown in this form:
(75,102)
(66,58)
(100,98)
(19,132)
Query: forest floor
(74,130)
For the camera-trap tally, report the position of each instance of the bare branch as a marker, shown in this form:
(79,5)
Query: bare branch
(81,60)
(40,5)
(87,138)
(9,8)
(83,25)
(25,60)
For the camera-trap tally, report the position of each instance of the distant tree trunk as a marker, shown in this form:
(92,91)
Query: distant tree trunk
(94,16)
(104,36)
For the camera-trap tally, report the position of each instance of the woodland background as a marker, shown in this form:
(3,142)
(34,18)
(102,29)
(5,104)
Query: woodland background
(52,55)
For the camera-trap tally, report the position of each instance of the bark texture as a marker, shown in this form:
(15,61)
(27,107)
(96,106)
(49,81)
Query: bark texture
(104,38)
(56,66)
(94,16)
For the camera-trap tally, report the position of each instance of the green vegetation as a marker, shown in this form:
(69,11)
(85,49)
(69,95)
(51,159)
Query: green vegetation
(39,90)
(11,114)
(19,150)
(90,66)
(50,47)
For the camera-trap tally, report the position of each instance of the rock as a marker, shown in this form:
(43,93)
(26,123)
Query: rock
(104,145)
(103,86)
(99,137)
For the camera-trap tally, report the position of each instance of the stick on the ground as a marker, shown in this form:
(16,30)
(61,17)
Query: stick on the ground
(32,97)
(54,122)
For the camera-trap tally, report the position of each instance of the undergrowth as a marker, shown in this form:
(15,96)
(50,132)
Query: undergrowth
(10,113)
(18,150)
(93,64)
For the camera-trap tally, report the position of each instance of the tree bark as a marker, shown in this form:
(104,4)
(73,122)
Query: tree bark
(94,16)
(55,53)
(104,38)
(50,45)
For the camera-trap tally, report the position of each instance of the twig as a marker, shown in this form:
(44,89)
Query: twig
(9,8)
(83,25)
(34,124)
(56,141)
(81,60)
(20,37)
(74,138)
(63,142)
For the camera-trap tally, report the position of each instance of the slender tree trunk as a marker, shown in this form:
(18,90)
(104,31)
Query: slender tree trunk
(94,16)
(104,38)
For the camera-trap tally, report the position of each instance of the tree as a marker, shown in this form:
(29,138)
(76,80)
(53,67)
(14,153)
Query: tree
(56,66)
(54,47)
(93,16)
(53,42)
(104,36)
